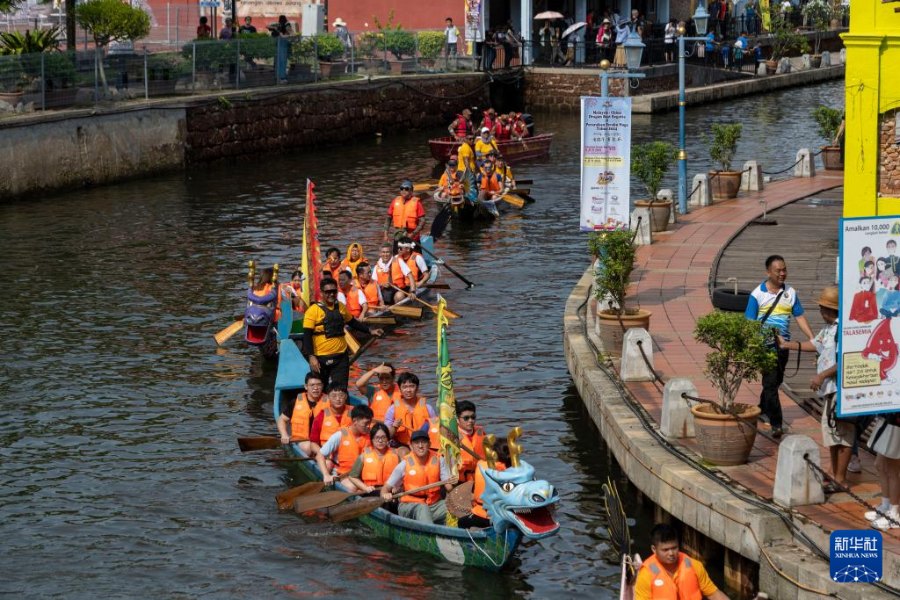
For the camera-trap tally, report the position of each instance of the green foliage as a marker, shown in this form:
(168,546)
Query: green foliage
(211,55)
(739,352)
(257,46)
(398,41)
(41,40)
(109,20)
(369,44)
(8,5)
(784,39)
(431,44)
(650,163)
(12,76)
(724,143)
(60,68)
(616,254)
(166,65)
(828,119)
(818,13)
(223,102)
(326,46)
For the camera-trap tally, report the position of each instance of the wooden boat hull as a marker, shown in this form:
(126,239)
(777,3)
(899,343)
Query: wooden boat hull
(468,211)
(512,150)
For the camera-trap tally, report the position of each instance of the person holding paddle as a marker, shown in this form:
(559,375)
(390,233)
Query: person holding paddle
(490,181)
(418,268)
(369,289)
(300,413)
(466,154)
(344,446)
(422,467)
(390,272)
(334,417)
(324,345)
(485,144)
(450,184)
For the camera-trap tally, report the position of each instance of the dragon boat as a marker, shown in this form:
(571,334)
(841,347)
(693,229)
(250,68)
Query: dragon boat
(512,150)
(519,505)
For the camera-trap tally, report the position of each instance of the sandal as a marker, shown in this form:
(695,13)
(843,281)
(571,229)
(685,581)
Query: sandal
(831,488)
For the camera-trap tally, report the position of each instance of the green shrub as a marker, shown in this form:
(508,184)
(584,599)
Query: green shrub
(326,47)
(617,254)
(650,162)
(828,119)
(724,143)
(257,46)
(431,43)
(12,76)
(212,55)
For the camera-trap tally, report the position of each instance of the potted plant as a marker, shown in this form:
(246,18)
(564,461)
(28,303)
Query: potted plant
(724,183)
(829,120)
(12,79)
(399,42)
(430,44)
(818,14)
(726,430)
(616,254)
(649,164)
(783,39)
(111,21)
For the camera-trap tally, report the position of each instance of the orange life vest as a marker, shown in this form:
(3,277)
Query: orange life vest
(381,402)
(413,266)
(467,462)
(302,417)
(377,468)
(349,449)
(410,419)
(492,182)
(405,213)
(417,475)
(370,290)
(331,423)
(453,183)
(434,434)
(334,271)
(664,586)
(353,305)
(478,488)
(397,276)
(383,275)
(266,290)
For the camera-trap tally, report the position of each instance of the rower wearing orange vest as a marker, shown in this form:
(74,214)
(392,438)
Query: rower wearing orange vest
(333,417)
(416,263)
(300,413)
(353,259)
(294,291)
(405,214)
(450,184)
(670,574)
(479,517)
(344,446)
(387,393)
(490,182)
(373,467)
(407,414)
(471,436)
(350,296)
(387,274)
(332,263)
(420,468)
(369,288)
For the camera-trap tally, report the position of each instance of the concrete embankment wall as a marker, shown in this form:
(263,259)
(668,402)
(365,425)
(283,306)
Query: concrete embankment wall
(67,149)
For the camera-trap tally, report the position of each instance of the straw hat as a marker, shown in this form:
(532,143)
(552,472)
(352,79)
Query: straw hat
(829,298)
(339,22)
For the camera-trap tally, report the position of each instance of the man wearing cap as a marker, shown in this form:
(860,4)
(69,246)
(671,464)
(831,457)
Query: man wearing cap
(450,184)
(421,467)
(340,30)
(405,213)
(466,154)
(486,143)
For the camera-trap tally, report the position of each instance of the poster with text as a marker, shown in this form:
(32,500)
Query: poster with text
(605,163)
(868,377)
(474,26)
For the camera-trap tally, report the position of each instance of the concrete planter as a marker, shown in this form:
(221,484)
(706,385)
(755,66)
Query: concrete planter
(332,70)
(660,211)
(723,439)
(611,331)
(724,184)
(831,158)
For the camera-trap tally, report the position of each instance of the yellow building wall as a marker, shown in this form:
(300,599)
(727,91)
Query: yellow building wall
(872,89)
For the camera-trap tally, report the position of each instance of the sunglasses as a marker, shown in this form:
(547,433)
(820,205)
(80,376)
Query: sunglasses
(334,291)
(468,418)
(406,189)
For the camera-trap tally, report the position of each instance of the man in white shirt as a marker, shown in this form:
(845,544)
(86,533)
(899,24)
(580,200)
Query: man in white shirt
(451,35)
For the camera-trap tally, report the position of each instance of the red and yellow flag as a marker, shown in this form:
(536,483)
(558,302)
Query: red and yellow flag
(311,257)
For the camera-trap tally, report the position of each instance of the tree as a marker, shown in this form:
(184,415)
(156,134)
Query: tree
(111,20)
(8,5)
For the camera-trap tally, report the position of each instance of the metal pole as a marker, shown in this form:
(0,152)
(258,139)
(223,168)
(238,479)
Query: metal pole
(43,83)
(146,83)
(604,84)
(682,153)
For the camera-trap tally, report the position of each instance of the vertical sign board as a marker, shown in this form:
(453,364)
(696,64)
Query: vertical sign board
(868,378)
(474,25)
(605,163)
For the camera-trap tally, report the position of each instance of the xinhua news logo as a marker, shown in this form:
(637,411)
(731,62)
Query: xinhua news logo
(856,556)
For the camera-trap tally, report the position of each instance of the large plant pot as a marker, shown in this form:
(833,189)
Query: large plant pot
(161,87)
(724,184)
(831,158)
(723,439)
(660,211)
(332,70)
(729,299)
(610,331)
(771,66)
(815,61)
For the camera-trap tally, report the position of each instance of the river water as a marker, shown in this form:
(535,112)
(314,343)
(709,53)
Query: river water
(119,466)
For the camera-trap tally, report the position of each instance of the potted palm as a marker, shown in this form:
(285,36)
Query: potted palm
(726,430)
(783,39)
(724,183)
(616,254)
(650,163)
(829,121)
(818,14)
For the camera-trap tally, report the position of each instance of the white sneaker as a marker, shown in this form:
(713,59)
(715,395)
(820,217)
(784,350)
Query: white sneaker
(871,515)
(854,466)
(885,524)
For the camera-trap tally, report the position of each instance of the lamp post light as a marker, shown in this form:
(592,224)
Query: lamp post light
(701,18)
(634,50)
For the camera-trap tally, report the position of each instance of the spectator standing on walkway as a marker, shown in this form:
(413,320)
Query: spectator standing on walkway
(669,38)
(204,31)
(622,31)
(248,26)
(340,30)
(713,10)
(451,37)
(227,32)
(773,303)
(885,442)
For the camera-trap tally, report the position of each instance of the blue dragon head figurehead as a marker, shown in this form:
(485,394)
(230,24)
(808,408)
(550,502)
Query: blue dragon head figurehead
(513,498)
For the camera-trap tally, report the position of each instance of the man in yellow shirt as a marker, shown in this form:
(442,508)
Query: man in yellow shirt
(486,143)
(466,154)
(669,574)
(324,345)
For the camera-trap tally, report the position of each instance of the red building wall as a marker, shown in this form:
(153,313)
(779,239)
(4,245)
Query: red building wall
(421,14)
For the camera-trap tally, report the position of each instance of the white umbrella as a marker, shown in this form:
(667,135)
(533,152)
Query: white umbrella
(573,28)
(549,14)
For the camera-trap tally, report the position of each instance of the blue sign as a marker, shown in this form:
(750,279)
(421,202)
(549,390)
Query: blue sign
(856,556)
(209,3)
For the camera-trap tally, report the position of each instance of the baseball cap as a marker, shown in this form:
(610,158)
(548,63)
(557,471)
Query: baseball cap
(418,434)
(483,129)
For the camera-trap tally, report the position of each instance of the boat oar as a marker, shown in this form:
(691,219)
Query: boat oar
(224,335)
(364,506)
(513,200)
(279,459)
(250,444)
(434,308)
(286,498)
(437,286)
(424,186)
(362,349)
(351,342)
(449,268)
(440,222)
(379,321)
(525,181)
(410,312)
(520,191)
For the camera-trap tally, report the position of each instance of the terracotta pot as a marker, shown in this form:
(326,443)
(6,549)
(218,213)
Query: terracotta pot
(724,184)
(831,158)
(815,61)
(771,66)
(610,330)
(723,439)
(11,98)
(331,70)
(660,210)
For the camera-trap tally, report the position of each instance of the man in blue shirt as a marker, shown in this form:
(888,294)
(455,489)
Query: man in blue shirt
(775,303)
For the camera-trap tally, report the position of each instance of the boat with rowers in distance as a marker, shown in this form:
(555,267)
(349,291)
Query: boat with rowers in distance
(511,150)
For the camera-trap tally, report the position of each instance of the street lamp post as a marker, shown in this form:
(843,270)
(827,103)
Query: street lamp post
(701,18)
(634,49)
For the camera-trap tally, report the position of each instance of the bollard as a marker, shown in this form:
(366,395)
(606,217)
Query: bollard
(676,421)
(634,367)
(668,194)
(826,59)
(784,66)
(843,56)
(761,68)
(795,482)
(751,177)
(806,62)
(702,196)
(806,166)
(642,226)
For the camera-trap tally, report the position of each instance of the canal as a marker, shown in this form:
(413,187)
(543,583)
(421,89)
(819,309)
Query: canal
(119,464)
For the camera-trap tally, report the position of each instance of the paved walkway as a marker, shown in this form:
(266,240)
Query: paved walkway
(673,278)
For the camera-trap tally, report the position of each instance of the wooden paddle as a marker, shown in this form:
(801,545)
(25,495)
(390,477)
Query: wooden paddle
(525,181)
(441,261)
(352,343)
(364,506)
(424,187)
(440,222)
(513,200)
(224,335)
(410,312)
(437,286)
(379,321)
(520,191)
(250,444)
(286,498)
(362,349)
(434,308)
(459,500)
